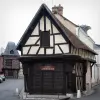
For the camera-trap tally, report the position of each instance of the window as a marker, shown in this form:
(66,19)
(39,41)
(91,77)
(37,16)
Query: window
(45,38)
(11,52)
(8,62)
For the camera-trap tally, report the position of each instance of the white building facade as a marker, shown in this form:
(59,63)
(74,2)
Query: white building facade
(96,68)
(83,36)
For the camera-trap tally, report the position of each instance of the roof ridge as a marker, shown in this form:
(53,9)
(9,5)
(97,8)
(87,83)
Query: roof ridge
(68,20)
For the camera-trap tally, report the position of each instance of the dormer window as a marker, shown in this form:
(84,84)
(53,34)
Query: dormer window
(11,52)
(45,38)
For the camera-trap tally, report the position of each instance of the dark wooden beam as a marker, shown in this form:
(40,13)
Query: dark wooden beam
(92,64)
(21,51)
(60,43)
(60,49)
(37,41)
(39,28)
(38,51)
(53,37)
(51,28)
(29,50)
(56,34)
(44,51)
(49,47)
(44,23)
(34,36)
(31,45)
(69,47)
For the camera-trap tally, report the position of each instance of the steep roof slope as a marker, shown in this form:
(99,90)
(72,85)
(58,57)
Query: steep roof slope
(74,39)
(66,32)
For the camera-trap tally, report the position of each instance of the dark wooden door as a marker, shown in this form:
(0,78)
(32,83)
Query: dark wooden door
(58,82)
(73,83)
(43,82)
(37,82)
(47,82)
(70,82)
(48,79)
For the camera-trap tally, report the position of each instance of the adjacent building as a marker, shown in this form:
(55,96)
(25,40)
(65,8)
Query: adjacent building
(1,60)
(1,63)
(11,64)
(53,58)
(96,67)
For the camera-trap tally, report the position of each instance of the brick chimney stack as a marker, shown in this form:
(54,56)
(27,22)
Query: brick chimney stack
(57,9)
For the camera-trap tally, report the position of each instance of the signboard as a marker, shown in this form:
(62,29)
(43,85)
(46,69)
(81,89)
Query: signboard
(47,67)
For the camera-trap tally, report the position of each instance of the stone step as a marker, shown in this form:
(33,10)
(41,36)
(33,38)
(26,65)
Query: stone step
(44,97)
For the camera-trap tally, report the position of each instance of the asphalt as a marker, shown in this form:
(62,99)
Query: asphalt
(94,96)
(8,88)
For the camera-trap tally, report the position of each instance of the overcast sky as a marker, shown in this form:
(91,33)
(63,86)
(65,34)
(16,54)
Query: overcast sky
(15,16)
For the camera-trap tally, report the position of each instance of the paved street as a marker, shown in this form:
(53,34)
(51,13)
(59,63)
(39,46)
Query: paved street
(8,87)
(94,96)
(7,90)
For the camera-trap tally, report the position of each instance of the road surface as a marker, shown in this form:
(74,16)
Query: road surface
(8,87)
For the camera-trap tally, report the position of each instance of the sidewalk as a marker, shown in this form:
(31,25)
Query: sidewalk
(92,95)
(56,97)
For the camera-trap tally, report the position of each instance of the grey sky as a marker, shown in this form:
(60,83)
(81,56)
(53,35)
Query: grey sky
(15,16)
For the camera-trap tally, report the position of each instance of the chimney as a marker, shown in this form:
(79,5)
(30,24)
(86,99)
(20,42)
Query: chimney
(57,9)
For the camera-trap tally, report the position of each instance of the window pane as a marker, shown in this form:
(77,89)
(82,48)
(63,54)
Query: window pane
(11,52)
(45,38)
(8,62)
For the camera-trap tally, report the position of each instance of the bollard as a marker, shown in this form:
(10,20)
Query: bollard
(78,94)
(17,91)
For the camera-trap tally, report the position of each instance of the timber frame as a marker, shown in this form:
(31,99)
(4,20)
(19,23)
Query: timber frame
(52,69)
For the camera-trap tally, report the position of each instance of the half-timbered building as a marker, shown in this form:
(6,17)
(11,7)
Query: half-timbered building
(11,64)
(1,63)
(54,59)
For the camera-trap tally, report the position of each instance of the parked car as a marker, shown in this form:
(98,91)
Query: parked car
(1,80)
(2,76)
